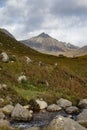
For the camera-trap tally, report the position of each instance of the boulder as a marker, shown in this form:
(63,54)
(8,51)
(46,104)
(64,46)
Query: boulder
(1,100)
(2,116)
(8,109)
(62,123)
(83,103)
(22,79)
(5,57)
(28,60)
(42,104)
(82,117)
(3,86)
(4,123)
(64,103)
(20,113)
(72,110)
(53,108)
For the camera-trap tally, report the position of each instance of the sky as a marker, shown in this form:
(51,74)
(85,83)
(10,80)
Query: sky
(65,20)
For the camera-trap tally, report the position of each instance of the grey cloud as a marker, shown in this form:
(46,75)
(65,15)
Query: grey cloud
(26,17)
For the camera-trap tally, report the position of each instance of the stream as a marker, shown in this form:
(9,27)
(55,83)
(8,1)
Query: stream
(40,119)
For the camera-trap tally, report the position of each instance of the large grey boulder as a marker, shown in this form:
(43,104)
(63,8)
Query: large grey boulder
(83,103)
(82,117)
(53,108)
(4,57)
(42,104)
(21,114)
(72,110)
(8,109)
(64,103)
(62,123)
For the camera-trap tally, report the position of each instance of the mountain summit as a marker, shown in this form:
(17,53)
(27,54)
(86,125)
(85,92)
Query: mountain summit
(44,35)
(46,44)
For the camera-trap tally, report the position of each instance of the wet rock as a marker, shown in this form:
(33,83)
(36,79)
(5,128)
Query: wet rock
(64,103)
(83,103)
(32,128)
(62,123)
(42,104)
(21,114)
(8,109)
(53,108)
(72,110)
(82,117)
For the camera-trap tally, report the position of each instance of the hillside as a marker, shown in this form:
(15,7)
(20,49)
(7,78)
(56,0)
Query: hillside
(46,44)
(48,76)
(81,51)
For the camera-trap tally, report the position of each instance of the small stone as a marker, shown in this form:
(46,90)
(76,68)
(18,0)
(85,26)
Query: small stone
(53,108)
(64,103)
(42,104)
(72,110)
(2,116)
(83,103)
(8,109)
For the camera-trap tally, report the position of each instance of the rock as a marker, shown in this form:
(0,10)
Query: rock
(4,123)
(53,108)
(5,57)
(27,107)
(83,103)
(42,104)
(72,110)
(62,123)
(1,100)
(3,86)
(64,103)
(22,79)
(21,114)
(8,109)
(2,116)
(82,117)
(28,60)
(32,128)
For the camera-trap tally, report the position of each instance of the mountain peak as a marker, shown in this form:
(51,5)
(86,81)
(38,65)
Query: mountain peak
(44,35)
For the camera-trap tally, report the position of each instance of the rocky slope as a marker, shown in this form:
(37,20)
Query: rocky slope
(46,44)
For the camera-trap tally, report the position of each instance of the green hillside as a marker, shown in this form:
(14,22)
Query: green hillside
(49,77)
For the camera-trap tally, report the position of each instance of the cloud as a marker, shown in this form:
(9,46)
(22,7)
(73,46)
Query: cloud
(62,19)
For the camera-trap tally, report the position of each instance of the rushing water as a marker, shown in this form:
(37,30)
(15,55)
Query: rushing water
(39,120)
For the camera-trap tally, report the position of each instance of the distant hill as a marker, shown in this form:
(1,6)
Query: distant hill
(47,44)
(81,51)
